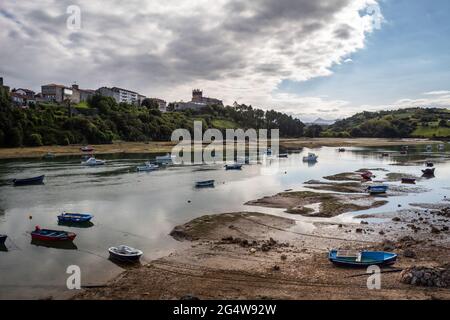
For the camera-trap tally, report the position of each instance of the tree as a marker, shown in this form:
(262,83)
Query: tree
(313,131)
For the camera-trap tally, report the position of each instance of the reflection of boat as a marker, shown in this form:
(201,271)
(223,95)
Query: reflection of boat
(310,158)
(409,180)
(3,238)
(29,181)
(377,189)
(63,245)
(429,172)
(234,166)
(348,258)
(167,159)
(93,162)
(125,254)
(52,235)
(74,217)
(148,167)
(205,184)
(87,149)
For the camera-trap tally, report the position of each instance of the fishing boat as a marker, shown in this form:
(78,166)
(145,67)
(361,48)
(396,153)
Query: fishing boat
(87,149)
(341,150)
(234,166)
(367,175)
(377,189)
(349,258)
(3,238)
(429,171)
(74,217)
(283,155)
(93,162)
(205,184)
(148,167)
(49,156)
(310,158)
(408,180)
(167,159)
(125,253)
(29,181)
(429,164)
(52,235)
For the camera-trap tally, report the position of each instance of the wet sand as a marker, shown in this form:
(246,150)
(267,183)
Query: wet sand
(166,146)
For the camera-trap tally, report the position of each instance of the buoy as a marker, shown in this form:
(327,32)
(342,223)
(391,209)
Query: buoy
(30,217)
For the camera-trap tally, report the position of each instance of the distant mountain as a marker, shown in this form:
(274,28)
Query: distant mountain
(323,122)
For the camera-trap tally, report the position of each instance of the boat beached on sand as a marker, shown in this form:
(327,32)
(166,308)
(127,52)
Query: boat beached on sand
(52,235)
(125,254)
(29,181)
(349,258)
(377,189)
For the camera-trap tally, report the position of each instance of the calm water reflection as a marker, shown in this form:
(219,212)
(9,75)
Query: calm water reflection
(140,209)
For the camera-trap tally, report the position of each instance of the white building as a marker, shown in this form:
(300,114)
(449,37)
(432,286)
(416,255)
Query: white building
(120,95)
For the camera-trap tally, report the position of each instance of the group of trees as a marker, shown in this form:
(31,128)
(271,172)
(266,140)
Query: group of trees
(53,124)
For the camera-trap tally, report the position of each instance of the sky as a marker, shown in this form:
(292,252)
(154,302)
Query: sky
(309,58)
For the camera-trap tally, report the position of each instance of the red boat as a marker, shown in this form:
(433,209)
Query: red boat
(52,235)
(367,175)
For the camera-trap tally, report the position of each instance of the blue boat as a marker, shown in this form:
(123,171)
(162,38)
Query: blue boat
(377,189)
(205,184)
(29,181)
(74,217)
(348,258)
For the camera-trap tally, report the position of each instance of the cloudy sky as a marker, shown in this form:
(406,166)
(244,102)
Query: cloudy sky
(310,58)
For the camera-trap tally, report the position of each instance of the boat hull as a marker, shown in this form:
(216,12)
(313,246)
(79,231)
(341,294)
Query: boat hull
(368,259)
(74,218)
(29,181)
(205,184)
(47,236)
(3,238)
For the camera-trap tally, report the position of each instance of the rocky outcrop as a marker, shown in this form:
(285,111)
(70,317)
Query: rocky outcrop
(426,276)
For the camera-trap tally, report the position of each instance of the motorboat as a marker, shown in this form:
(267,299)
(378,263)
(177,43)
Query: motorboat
(29,181)
(124,253)
(311,157)
(93,162)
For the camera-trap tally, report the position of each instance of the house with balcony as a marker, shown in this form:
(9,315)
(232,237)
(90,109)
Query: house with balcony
(56,93)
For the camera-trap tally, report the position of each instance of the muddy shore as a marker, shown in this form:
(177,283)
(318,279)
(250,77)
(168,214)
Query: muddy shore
(166,146)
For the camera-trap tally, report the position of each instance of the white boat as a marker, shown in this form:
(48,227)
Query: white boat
(148,167)
(167,159)
(311,157)
(125,253)
(93,162)
(441,147)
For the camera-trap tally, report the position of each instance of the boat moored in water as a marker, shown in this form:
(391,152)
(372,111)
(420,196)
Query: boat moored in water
(234,166)
(429,171)
(3,238)
(349,258)
(74,217)
(312,157)
(29,181)
(377,189)
(87,149)
(124,253)
(148,167)
(93,162)
(167,159)
(205,184)
(52,235)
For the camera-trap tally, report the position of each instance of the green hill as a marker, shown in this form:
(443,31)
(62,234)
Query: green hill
(402,123)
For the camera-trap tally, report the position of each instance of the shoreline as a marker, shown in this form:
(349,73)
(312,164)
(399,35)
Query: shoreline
(166,146)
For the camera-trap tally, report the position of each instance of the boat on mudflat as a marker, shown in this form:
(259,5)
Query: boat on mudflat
(429,164)
(283,155)
(52,235)
(74,217)
(377,189)
(234,166)
(349,258)
(29,181)
(3,238)
(125,254)
(205,184)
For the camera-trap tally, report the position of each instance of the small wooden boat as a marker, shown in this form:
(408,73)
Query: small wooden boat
(29,181)
(429,171)
(148,167)
(3,238)
(125,254)
(205,184)
(367,175)
(87,149)
(283,155)
(385,154)
(377,189)
(52,235)
(310,158)
(348,258)
(167,159)
(408,180)
(429,164)
(92,162)
(341,150)
(74,217)
(235,166)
